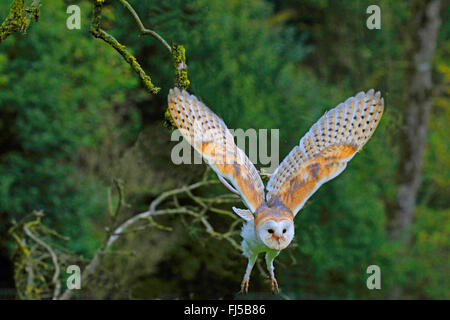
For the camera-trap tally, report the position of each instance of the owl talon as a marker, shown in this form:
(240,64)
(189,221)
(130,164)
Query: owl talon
(274,286)
(244,286)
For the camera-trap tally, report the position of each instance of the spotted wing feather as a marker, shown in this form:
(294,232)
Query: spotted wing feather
(209,135)
(324,151)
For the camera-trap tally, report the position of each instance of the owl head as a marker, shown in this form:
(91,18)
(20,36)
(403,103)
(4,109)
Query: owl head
(275,227)
(276,234)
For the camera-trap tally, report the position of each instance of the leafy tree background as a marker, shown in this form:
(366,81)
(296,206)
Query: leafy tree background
(73,116)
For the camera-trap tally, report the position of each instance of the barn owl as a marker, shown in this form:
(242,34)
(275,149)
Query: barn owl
(321,155)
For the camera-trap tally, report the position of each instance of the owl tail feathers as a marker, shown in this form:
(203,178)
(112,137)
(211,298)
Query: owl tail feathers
(245,214)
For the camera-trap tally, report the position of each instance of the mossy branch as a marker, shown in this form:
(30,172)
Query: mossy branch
(179,64)
(99,33)
(19,18)
(31,258)
(142,29)
(177,51)
(55,279)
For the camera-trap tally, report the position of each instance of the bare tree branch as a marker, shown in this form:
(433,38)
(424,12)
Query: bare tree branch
(198,213)
(30,258)
(144,30)
(41,242)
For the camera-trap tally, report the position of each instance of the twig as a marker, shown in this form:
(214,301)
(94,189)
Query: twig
(54,259)
(99,33)
(144,30)
(30,277)
(144,215)
(177,51)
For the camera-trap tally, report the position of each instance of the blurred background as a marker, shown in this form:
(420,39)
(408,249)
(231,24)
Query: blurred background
(74,116)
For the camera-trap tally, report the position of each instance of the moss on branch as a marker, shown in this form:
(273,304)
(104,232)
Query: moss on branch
(177,52)
(99,33)
(19,18)
(180,67)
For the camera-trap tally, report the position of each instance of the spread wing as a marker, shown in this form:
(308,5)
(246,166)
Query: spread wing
(209,135)
(324,151)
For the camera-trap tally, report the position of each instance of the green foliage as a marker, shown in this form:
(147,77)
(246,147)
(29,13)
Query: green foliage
(74,116)
(52,103)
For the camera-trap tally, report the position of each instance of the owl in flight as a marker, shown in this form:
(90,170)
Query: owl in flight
(321,155)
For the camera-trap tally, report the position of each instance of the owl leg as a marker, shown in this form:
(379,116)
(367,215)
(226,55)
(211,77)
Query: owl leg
(246,280)
(270,257)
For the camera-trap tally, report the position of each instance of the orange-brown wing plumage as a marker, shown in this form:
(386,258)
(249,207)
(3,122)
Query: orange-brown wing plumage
(209,135)
(324,151)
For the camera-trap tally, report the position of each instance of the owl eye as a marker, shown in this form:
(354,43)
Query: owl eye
(270,230)
(284,230)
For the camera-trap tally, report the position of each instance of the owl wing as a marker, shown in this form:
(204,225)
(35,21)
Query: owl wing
(324,151)
(209,135)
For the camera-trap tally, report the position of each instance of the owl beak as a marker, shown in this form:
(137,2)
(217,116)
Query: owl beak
(276,238)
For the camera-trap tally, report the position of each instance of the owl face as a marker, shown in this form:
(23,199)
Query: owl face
(276,234)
